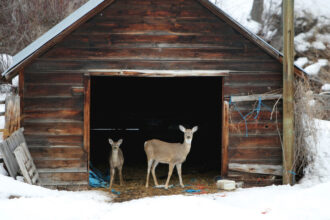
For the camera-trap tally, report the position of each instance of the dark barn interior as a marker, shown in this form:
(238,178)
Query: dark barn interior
(140,108)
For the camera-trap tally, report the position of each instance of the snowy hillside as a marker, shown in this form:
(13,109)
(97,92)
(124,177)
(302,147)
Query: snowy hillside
(312,26)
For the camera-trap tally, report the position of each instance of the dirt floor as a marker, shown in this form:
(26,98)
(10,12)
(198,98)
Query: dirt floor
(135,180)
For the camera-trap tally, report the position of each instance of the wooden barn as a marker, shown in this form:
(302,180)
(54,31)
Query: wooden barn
(136,69)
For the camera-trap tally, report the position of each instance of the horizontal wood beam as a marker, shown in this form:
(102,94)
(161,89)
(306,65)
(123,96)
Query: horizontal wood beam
(63,170)
(257,168)
(255,97)
(158,73)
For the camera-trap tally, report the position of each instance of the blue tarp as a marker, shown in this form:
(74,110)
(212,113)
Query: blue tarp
(97,179)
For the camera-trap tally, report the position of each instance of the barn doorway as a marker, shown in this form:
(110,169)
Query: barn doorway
(140,108)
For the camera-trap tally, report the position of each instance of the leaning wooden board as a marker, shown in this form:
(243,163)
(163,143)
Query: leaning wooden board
(26,164)
(17,157)
(9,158)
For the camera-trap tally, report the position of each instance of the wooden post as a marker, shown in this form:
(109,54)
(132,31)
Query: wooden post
(87,99)
(288,102)
(21,94)
(225,138)
(12,115)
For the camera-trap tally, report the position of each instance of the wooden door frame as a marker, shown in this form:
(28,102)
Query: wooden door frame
(224,137)
(87,101)
(86,129)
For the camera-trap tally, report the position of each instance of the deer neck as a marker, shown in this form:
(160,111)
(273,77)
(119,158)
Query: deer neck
(114,156)
(187,145)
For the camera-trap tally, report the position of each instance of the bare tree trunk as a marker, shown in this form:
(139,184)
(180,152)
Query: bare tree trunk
(5,62)
(277,41)
(257,10)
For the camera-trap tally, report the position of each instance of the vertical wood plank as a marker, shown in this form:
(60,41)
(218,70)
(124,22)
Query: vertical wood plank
(12,115)
(87,90)
(22,160)
(26,164)
(21,93)
(7,148)
(288,91)
(225,138)
(9,159)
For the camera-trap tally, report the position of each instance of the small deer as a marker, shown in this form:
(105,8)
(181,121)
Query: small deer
(173,154)
(116,160)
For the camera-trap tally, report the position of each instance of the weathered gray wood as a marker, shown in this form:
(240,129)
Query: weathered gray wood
(26,164)
(9,159)
(15,158)
(255,97)
(21,159)
(63,170)
(257,168)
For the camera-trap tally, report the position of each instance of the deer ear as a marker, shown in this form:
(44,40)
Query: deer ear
(120,141)
(182,128)
(110,141)
(195,129)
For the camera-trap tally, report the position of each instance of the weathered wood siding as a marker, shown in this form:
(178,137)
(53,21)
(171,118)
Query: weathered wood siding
(141,34)
(53,122)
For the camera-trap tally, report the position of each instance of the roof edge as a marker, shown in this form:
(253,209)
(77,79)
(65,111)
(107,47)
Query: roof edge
(248,34)
(12,71)
(16,67)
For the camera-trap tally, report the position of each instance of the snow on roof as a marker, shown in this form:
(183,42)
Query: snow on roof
(53,32)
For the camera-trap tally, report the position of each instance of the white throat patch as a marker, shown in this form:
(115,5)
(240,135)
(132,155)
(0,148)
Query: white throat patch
(188,141)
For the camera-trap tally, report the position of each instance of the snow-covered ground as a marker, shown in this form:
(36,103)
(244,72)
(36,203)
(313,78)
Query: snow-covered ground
(308,200)
(273,202)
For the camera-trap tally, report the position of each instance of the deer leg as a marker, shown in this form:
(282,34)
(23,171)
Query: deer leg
(178,168)
(120,176)
(170,170)
(112,175)
(153,172)
(148,172)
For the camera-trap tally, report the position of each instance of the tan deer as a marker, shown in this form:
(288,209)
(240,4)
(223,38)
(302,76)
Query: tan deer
(116,160)
(173,154)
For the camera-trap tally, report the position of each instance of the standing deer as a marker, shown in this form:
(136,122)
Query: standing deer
(116,160)
(173,154)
